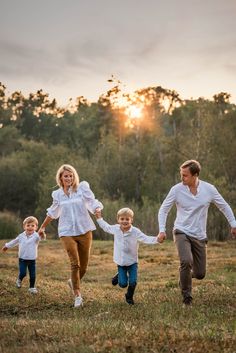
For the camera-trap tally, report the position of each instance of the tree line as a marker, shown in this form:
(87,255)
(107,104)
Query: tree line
(130,158)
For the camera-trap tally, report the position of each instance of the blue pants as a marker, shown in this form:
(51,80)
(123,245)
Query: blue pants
(127,275)
(31,265)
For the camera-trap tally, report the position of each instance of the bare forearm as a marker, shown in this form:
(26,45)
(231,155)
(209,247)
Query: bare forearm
(46,221)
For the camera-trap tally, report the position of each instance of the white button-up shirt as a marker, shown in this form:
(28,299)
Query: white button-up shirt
(72,210)
(126,244)
(191,217)
(28,245)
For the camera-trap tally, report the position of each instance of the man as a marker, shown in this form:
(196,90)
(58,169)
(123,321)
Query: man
(192,198)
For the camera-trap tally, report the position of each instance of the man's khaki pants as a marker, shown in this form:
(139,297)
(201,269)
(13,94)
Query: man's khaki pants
(192,255)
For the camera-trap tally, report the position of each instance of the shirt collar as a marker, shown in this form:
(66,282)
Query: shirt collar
(28,236)
(128,231)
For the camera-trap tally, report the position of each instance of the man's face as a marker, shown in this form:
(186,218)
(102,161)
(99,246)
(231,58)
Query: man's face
(187,178)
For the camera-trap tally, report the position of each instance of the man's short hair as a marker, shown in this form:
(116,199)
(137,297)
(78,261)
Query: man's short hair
(193,165)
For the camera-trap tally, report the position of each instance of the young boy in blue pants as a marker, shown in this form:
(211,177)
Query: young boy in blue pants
(125,255)
(28,248)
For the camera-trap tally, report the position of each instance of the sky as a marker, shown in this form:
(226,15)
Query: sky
(70,48)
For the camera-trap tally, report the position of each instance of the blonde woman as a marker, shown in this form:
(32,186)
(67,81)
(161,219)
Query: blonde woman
(71,203)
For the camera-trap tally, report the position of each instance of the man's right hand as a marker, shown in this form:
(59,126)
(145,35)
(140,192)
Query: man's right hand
(161,237)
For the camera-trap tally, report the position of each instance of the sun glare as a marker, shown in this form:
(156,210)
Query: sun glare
(134,112)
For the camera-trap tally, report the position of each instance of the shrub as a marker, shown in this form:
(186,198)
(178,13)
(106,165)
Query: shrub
(10,225)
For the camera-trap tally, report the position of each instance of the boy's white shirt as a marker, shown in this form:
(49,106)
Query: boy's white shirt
(126,243)
(28,245)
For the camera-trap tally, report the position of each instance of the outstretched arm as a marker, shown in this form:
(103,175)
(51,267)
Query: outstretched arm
(11,244)
(224,207)
(105,226)
(163,213)
(42,228)
(146,239)
(92,203)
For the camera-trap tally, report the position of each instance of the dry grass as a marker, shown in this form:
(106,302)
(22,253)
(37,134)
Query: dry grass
(47,322)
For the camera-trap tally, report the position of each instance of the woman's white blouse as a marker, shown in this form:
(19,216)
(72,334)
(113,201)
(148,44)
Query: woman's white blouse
(72,210)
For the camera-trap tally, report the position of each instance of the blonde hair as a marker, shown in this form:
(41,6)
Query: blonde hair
(125,211)
(68,168)
(30,219)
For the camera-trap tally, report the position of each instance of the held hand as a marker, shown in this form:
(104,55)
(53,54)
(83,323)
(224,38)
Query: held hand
(41,231)
(233,233)
(98,213)
(161,237)
(43,235)
(4,248)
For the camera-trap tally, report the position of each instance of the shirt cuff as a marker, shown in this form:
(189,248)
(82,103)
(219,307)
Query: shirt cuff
(233,224)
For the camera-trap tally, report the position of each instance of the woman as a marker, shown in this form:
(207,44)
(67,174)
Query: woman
(71,203)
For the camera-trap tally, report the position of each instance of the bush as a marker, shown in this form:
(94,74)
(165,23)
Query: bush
(10,225)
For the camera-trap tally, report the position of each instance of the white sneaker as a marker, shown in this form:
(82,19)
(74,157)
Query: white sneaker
(33,290)
(78,301)
(18,283)
(70,285)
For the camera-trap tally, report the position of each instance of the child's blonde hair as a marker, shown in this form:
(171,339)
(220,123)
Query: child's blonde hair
(30,219)
(68,168)
(125,211)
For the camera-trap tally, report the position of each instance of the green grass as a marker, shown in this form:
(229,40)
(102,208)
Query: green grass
(47,322)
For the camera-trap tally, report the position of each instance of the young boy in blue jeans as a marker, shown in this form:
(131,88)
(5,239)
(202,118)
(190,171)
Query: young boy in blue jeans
(125,255)
(28,248)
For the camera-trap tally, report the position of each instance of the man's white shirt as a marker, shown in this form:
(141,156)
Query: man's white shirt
(191,217)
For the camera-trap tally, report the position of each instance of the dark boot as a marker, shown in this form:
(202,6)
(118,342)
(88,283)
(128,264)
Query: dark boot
(129,295)
(114,280)
(187,301)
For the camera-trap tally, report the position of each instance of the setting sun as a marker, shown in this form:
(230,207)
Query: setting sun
(134,111)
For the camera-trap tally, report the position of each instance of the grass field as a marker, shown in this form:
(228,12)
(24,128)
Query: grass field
(47,322)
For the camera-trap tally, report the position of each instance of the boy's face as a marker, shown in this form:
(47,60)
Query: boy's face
(30,228)
(125,222)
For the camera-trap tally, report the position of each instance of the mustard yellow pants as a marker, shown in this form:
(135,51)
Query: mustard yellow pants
(78,249)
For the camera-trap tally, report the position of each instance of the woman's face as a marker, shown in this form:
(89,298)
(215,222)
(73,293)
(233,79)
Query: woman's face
(67,179)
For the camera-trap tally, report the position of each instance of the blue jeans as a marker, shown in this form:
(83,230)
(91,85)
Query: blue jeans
(31,265)
(127,275)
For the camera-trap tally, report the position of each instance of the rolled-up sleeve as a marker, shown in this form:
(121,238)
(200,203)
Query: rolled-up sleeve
(89,198)
(54,210)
